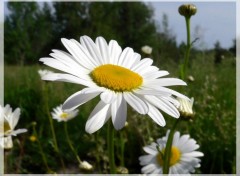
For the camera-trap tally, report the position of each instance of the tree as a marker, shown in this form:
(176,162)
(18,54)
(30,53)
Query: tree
(27,30)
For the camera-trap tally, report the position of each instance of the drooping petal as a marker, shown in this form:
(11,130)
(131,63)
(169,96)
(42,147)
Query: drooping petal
(119,112)
(80,98)
(139,105)
(156,115)
(98,117)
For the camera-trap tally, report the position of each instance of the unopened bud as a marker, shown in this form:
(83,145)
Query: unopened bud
(187,10)
(185,108)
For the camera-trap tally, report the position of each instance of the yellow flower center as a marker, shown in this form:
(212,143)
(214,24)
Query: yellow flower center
(174,158)
(116,78)
(6,126)
(64,115)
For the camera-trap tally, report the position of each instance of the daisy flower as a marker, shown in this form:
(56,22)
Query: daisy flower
(184,159)
(119,76)
(8,121)
(61,115)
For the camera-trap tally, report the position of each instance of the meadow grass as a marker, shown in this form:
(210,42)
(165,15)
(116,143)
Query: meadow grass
(213,126)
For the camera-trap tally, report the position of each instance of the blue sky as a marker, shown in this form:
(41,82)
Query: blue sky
(215,21)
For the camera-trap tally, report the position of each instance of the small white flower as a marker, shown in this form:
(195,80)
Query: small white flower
(8,121)
(86,166)
(147,49)
(6,142)
(119,76)
(184,159)
(44,72)
(61,115)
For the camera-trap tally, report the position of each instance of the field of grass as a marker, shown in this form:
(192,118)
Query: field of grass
(213,126)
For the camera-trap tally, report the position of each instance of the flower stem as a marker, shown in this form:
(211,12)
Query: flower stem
(167,153)
(70,143)
(41,150)
(110,141)
(55,145)
(188,47)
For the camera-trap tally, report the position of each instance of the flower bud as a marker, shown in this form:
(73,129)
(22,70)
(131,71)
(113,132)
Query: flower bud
(187,10)
(122,170)
(185,108)
(86,166)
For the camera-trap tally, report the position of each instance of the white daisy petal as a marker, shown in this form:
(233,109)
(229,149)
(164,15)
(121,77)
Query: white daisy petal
(80,98)
(78,53)
(144,160)
(142,64)
(139,105)
(156,115)
(103,49)
(108,96)
(167,82)
(115,51)
(127,54)
(151,149)
(148,169)
(98,117)
(92,49)
(67,78)
(119,112)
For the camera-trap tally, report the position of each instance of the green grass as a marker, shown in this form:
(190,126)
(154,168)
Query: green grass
(213,126)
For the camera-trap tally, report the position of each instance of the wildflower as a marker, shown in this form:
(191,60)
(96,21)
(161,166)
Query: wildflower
(32,138)
(85,166)
(8,121)
(118,76)
(185,108)
(44,72)
(184,159)
(146,49)
(61,115)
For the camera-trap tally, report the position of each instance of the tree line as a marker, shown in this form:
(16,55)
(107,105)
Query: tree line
(32,29)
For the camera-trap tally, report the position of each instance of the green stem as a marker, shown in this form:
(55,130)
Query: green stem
(70,143)
(122,145)
(52,127)
(167,153)
(188,48)
(41,150)
(110,140)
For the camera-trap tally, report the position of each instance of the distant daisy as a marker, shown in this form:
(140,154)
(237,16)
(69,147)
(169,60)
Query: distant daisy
(61,115)
(8,121)
(184,159)
(146,49)
(44,72)
(118,76)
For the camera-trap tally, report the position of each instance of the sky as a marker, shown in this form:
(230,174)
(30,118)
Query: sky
(214,21)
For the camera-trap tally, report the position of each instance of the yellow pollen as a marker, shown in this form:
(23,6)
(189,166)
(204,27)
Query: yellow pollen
(6,127)
(116,78)
(174,158)
(64,115)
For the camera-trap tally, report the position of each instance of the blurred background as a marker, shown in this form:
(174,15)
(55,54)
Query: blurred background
(33,29)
